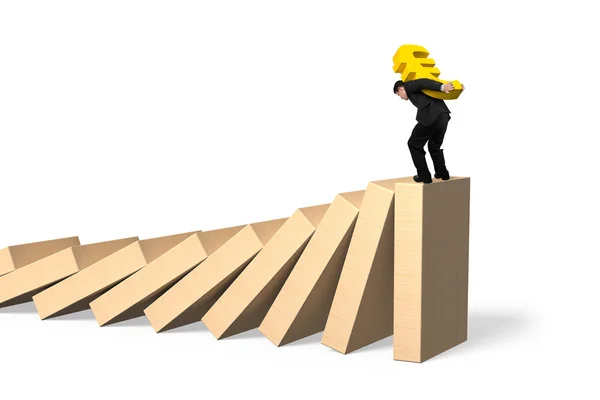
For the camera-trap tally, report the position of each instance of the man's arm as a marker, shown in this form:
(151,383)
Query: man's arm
(423,83)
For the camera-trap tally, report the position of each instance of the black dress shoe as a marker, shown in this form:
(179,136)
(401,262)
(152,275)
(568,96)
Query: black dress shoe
(444,177)
(417,178)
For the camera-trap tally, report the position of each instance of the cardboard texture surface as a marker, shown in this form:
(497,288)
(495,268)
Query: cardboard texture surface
(77,291)
(21,285)
(361,312)
(17,256)
(189,299)
(430,267)
(302,306)
(245,303)
(129,298)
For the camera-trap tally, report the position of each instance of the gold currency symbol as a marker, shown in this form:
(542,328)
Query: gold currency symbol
(411,61)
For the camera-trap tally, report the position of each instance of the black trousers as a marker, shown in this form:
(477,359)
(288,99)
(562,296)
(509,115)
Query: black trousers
(421,134)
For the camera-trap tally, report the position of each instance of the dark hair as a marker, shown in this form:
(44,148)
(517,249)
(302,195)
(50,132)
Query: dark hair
(397,85)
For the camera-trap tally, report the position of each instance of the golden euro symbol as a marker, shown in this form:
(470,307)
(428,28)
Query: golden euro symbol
(411,61)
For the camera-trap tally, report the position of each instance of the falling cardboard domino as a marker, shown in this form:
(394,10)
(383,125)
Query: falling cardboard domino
(77,291)
(15,257)
(302,306)
(245,303)
(129,298)
(361,312)
(21,285)
(189,299)
(431,262)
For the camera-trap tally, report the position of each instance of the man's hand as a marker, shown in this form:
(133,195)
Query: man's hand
(448,87)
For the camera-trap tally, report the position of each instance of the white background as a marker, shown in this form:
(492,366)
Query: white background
(147,118)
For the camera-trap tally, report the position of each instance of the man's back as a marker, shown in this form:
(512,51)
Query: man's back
(428,107)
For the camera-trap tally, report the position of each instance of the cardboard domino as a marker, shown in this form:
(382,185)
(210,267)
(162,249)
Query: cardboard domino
(302,306)
(21,285)
(192,296)
(361,312)
(245,303)
(129,298)
(77,291)
(431,261)
(15,257)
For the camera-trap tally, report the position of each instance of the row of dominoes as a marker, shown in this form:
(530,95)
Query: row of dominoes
(390,259)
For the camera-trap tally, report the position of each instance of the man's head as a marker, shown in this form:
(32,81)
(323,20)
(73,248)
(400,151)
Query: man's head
(399,90)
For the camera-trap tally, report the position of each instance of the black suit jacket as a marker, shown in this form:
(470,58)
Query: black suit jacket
(428,107)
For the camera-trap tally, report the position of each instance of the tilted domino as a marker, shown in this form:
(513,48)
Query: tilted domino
(245,303)
(192,296)
(21,285)
(129,298)
(302,306)
(77,291)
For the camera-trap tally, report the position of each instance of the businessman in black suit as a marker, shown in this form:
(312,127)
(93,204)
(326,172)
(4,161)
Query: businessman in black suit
(432,120)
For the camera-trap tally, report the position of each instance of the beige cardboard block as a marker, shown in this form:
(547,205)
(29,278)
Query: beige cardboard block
(302,306)
(361,312)
(129,298)
(15,257)
(431,239)
(21,285)
(189,299)
(77,291)
(245,303)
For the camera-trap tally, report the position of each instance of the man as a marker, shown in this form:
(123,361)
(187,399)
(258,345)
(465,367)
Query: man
(432,120)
